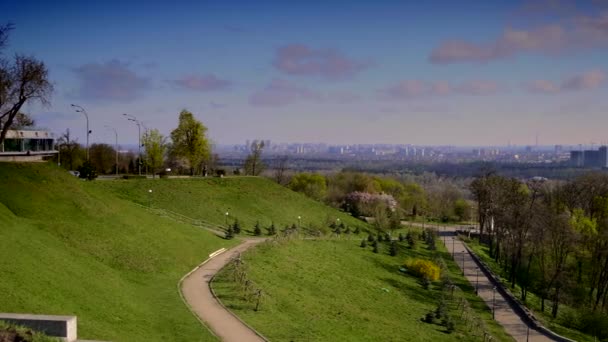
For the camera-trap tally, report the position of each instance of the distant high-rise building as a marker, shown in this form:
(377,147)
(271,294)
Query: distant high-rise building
(576,158)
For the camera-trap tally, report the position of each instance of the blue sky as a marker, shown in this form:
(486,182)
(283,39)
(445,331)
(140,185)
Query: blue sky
(432,72)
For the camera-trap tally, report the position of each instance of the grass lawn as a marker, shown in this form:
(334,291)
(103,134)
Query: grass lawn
(249,199)
(334,290)
(533,302)
(68,247)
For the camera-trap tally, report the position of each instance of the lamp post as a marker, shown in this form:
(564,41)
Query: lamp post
(134,119)
(79,109)
(299,221)
(150,198)
(463,262)
(115,146)
(226,218)
(453,239)
(477,281)
(494,302)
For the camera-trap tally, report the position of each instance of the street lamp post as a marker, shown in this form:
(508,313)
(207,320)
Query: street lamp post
(79,109)
(453,239)
(299,221)
(463,262)
(150,198)
(477,281)
(494,302)
(134,119)
(226,218)
(115,146)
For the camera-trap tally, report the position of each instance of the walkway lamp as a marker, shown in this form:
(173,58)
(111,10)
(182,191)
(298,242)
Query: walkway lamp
(79,109)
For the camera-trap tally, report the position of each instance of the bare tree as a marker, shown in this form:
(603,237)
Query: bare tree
(280,166)
(253,164)
(22,80)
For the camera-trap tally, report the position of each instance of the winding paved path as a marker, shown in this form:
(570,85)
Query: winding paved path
(197,293)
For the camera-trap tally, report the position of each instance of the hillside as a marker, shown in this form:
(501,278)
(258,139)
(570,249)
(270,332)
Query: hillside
(249,199)
(70,248)
(334,290)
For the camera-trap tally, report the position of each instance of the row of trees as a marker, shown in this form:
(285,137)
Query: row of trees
(550,238)
(385,198)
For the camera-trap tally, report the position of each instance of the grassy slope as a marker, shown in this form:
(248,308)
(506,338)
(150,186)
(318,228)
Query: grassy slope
(247,198)
(333,290)
(67,247)
(533,301)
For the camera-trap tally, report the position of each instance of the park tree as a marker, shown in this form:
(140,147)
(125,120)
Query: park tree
(23,79)
(310,184)
(280,169)
(156,146)
(190,141)
(253,163)
(103,158)
(71,154)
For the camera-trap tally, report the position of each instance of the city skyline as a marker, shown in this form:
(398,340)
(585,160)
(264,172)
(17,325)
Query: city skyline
(439,73)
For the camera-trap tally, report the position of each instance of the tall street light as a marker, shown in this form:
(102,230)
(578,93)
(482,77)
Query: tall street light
(477,281)
(299,221)
(494,302)
(79,109)
(463,262)
(115,145)
(134,119)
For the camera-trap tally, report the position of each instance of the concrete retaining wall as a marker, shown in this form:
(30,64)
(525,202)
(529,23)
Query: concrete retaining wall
(514,302)
(64,327)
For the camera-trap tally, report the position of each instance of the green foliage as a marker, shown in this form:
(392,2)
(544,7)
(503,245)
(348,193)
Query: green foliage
(272,230)
(401,237)
(363,243)
(376,244)
(190,141)
(310,184)
(236,227)
(156,147)
(462,210)
(257,231)
(229,234)
(393,249)
(371,238)
(10,332)
(424,269)
(87,171)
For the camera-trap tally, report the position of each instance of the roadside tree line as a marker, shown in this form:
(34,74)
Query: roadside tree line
(551,239)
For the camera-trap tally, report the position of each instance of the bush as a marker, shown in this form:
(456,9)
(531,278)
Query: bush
(429,317)
(236,227)
(357,230)
(375,247)
(272,230)
(87,171)
(371,238)
(363,243)
(257,231)
(379,238)
(393,249)
(229,233)
(424,269)
(401,237)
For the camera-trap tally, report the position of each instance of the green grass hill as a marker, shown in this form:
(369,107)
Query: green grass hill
(335,290)
(249,199)
(90,249)
(69,248)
